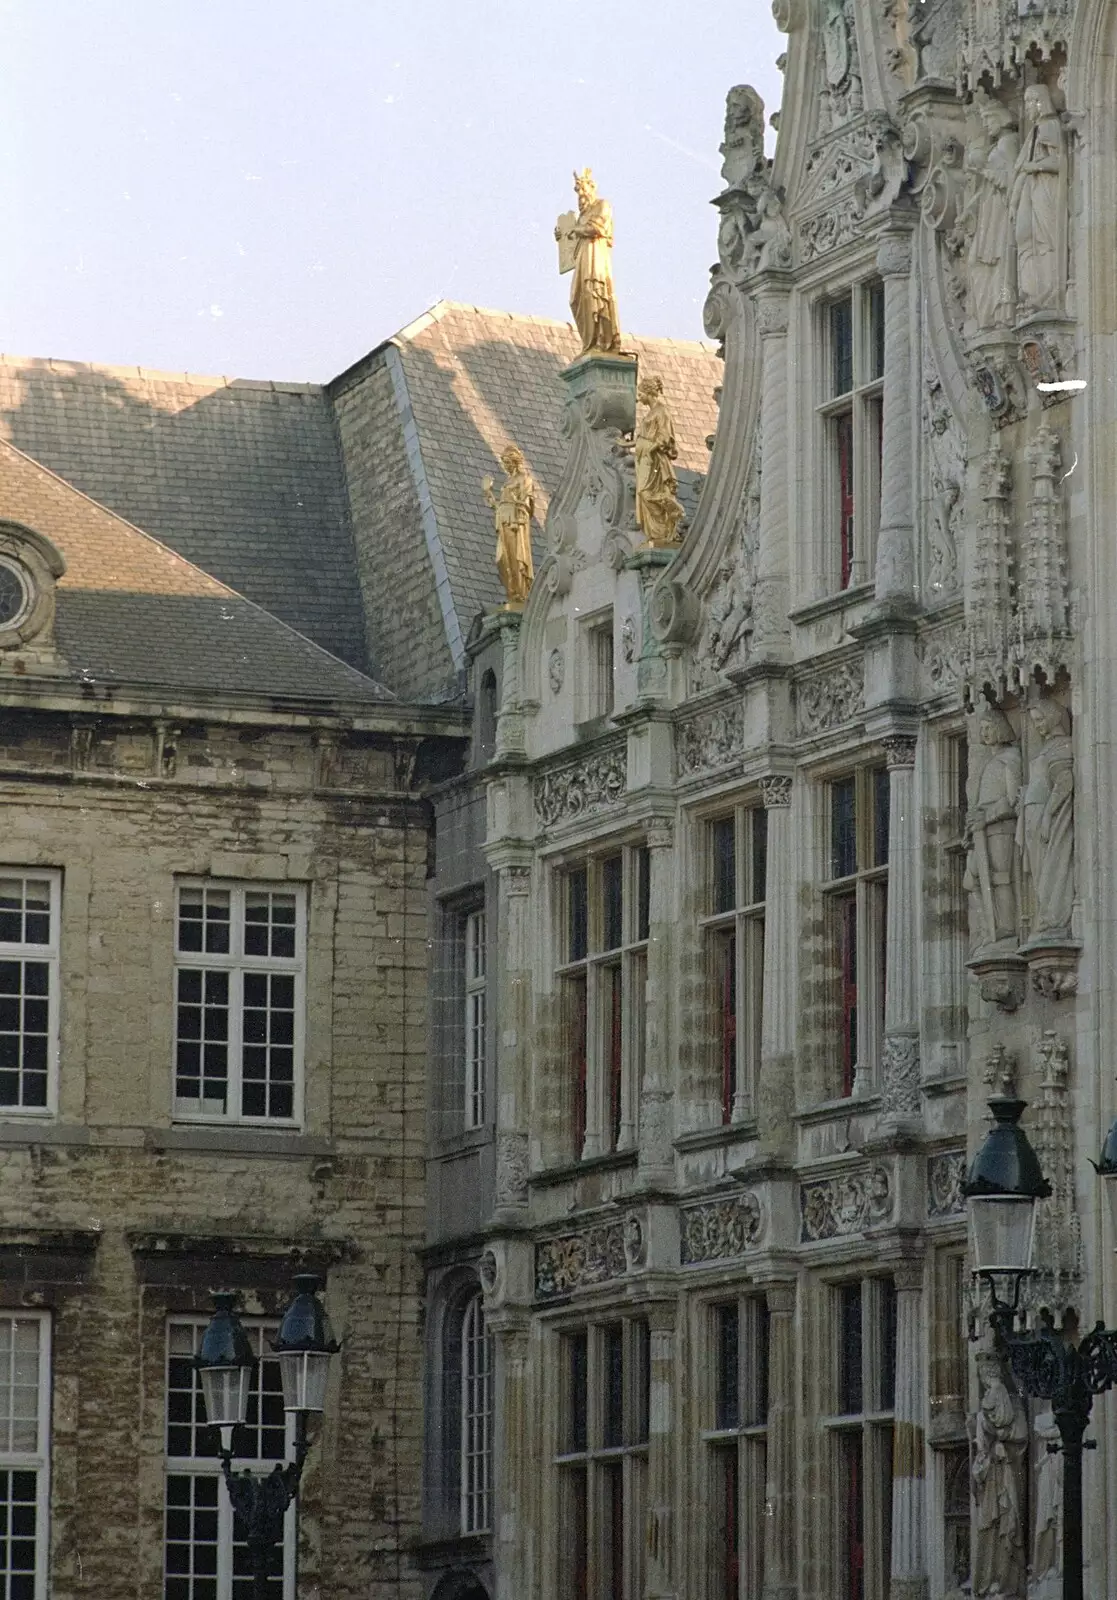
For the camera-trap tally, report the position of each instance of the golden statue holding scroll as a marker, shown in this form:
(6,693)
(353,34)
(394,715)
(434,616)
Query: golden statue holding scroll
(513,510)
(585,245)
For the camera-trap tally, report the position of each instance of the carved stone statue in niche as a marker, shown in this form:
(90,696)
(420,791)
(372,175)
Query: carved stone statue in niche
(1039,205)
(991,832)
(1047,1554)
(1000,1435)
(1046,825)
(987,221)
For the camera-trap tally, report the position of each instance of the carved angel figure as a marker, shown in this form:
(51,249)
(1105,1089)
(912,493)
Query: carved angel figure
(1039,205)
(514,509)
(991,832)
(1046,825)
(592,300)
(1000,1433)
(658,511)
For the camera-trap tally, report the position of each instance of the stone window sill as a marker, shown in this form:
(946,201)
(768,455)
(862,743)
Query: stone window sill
(712,1138)
(615,1161)
(237,1141)
(831,603)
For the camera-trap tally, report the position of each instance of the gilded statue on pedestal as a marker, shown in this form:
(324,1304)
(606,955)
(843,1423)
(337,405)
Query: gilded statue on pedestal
(513,510)
(658,511)
(586,249)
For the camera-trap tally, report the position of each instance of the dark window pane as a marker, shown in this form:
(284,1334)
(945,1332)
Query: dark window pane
(642,1345)
(727,1413)
(852,1517)
(36,977)
(726,978)
(613,1397)
(755,1410)
(612,899)
(887,1306)
(576,1391)
(841,345)
(758,828)
(578,915)
(881,808)
(723,841)
(875,307)
(849,1349)
(643,892)
(843,828)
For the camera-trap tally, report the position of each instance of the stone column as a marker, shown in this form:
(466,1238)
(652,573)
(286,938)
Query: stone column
(514,1461)
(776,1090)
(660,1531)
(657,1156)
(909,1443)
(770,638)
(900,1102)
(780,1578)
(511,1017)
(895,566)
(510,720)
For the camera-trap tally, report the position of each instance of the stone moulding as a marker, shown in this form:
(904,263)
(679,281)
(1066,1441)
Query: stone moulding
(829,699)
(945,1172)
(579,788)
(721,1229)
(712,739)
(576,1260)
(834,1207)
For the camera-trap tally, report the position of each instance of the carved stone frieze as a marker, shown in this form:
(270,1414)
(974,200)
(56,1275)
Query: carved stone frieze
(576,1260)
(712,739)
(849,1203)
(899,1100)
(848,179)
(721,1229)
(829,699)
(945,1172)
(942,656)
(775,792)
(579,788)
(726,634)
(511,1169)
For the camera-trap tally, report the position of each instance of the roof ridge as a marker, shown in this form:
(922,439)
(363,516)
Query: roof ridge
(193,566)
(198,380)
(441,308)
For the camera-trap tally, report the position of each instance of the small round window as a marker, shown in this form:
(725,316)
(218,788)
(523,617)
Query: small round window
(15,594)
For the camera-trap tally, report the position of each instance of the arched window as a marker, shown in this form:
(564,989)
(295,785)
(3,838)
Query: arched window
(476,1439)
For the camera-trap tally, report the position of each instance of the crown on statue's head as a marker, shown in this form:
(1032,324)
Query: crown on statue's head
(582,178)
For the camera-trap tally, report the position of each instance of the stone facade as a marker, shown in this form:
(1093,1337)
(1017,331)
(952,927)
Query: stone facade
(779,902)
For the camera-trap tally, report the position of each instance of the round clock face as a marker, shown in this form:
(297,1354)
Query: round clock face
(14,594)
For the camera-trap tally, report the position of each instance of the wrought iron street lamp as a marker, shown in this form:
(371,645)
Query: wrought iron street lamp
(1003,1187)
(225,1365)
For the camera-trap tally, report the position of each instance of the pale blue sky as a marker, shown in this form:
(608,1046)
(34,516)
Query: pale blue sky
(268,188)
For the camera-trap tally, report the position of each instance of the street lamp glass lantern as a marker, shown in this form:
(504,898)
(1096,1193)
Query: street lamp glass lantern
(1003,1186)
(304,1345)
(225,1365)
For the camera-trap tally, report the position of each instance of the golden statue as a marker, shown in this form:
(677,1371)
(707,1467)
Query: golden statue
(657,509)
(513,510)
(586,249)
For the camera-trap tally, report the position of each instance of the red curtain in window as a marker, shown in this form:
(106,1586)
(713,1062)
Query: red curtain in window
(728,977)
(616,1065)
(854,1518)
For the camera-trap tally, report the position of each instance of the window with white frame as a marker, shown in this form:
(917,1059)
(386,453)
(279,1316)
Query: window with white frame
(856,894)
(602,980)
(601,1459)
(476,1438)
(736,1440)
(240,957)
(860,1435)
(474,1020)
(24,1454)
(597,668)
(29,989)
(738,870)
(851,416)
(205,1554)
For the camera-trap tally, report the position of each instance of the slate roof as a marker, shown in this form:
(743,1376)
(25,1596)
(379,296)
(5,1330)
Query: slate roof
(244,479)
(478,378)
(130,611)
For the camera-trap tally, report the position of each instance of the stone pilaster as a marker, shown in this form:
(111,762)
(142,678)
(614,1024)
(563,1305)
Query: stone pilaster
(776,1089)
(770,638)
(909,1447)
(513,1461)
(900,1102)
(513,1042)
(895,565)
(660,1534)
(509,722)
(779,1525)
(657,1158)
